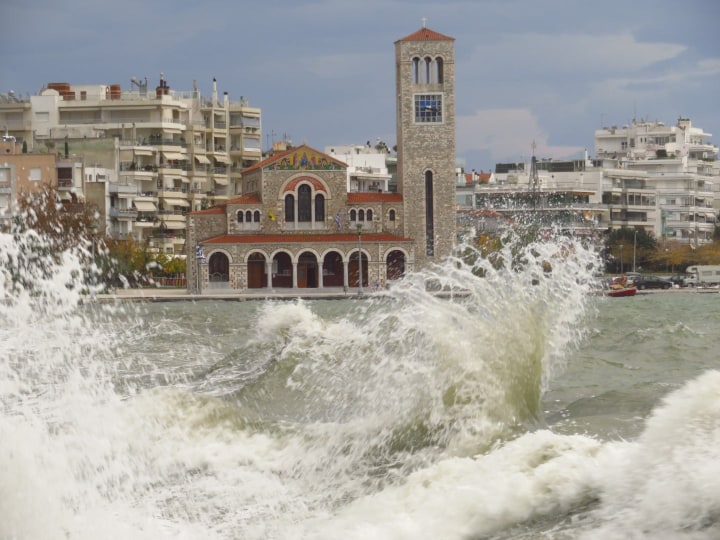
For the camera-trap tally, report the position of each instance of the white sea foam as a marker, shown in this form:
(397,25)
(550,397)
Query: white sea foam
(410,416)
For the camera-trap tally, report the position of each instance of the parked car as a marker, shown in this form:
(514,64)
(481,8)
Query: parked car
(651,282)
(679,279)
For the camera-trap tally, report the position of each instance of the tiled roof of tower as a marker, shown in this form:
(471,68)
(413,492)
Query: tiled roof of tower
(302,238)
(370,197)
(425,34)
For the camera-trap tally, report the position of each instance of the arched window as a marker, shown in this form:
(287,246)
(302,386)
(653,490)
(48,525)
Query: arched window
(304,203)
(353,215)
(429,215)
(439,66)
(290,207)
(369,215)
(256,216)
(361,215)
(428,70)
(416,70)
(319,207)
(391,215)
(248,216)
(239,216)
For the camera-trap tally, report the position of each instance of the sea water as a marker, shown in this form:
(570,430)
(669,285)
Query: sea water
(516,404)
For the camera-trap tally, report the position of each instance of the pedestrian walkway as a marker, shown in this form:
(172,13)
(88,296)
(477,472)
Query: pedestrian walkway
(173,294)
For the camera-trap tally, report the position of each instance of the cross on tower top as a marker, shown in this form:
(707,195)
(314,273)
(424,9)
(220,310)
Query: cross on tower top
(424,21)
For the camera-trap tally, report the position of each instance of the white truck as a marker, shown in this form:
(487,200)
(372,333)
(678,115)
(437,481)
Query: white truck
(702,275)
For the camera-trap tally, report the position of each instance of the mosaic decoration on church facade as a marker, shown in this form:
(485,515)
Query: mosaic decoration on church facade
(304,160)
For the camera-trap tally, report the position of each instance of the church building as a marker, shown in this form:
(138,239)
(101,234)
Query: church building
(297,224)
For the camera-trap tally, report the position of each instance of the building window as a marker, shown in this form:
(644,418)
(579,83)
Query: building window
(256,216)
(248,216)
(429,215)
(239,216)
(361,215)
(369,215)
(35,175)
(289,208)
(304,203)
(428,108)
(391,215)
(319,207)
(353,215)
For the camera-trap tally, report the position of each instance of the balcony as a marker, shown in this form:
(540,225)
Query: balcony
(127,189)
(173,193)
(123,213)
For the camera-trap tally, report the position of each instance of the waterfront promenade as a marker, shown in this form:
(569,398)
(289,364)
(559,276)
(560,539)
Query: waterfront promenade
(149,294)
(161,294)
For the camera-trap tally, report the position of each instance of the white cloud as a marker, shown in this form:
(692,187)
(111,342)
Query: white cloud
(507,134)
(576,54)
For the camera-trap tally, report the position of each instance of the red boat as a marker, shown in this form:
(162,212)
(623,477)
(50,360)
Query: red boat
(622,291)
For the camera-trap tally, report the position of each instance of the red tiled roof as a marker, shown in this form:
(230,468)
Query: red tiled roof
(276,157)
(371,197)
(425,34)
(248,198)
(302,238)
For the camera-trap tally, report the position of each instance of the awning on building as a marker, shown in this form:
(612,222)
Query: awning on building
(142,152)
(202,159)
(145,206)
(174,156)
(222,159)
(176,202)
(221,181)
(175,225)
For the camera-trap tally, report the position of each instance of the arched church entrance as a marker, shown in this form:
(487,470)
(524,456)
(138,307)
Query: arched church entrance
(219,268)
(332,268)
(395,264)
(256,271)
(282,270)
(307,270)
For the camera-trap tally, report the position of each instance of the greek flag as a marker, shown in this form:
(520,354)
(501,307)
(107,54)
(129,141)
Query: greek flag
(199,252)
(338,220)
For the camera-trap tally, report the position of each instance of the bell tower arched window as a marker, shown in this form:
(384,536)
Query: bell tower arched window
(429,215)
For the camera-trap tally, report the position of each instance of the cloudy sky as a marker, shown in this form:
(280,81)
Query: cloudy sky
(548,71)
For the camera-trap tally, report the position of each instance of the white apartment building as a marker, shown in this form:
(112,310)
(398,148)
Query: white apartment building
(367,169)
(671,169)
(663,179)
(161,152)
(561,194)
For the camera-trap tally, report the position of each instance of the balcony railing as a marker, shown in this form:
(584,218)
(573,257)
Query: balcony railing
(125,213)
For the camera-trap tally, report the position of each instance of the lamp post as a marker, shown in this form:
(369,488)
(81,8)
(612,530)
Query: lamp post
(634,248)
(360,273)
(93,271)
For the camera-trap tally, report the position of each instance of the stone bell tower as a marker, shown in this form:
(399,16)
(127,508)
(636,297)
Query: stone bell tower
(425,84)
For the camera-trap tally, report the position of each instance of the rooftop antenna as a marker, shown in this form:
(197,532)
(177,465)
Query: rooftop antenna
(142,85)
